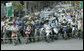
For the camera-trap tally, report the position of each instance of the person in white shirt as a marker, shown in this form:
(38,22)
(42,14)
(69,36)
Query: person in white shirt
(47,27)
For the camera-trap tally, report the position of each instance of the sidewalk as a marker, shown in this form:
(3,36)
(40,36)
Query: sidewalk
(72,44)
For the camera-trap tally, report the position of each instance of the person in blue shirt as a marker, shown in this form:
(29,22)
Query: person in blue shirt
(17,22)
(37,27)
(37,24)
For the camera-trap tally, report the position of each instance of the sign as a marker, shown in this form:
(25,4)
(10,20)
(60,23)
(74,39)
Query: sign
(81,3)
(9,9)
(8,4)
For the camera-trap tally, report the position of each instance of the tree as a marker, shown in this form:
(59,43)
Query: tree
(18,6)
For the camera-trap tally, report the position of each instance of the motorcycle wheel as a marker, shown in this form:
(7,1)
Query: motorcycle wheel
(65,36)
(48,38)
(15,41)
(55,37)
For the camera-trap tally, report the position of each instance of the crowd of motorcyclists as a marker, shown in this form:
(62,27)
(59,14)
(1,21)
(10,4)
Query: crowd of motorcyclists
(68,24)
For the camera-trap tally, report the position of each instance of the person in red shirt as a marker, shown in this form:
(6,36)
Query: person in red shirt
(27,32)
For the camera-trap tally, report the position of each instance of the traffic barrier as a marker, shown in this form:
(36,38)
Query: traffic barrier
(30,37)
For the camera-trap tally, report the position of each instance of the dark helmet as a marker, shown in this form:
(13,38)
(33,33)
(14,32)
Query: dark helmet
(64,19)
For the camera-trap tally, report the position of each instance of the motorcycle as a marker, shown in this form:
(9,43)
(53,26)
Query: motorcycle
(14,36)
(48,31)
(27,32)
(42,33)
(73,31)
(65,32)
(80,34)
(55,30)
(37,33)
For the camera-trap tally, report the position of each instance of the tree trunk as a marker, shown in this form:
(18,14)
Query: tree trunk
(25,2)
(19,13)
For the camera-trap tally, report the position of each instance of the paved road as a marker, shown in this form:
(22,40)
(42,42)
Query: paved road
(72,44)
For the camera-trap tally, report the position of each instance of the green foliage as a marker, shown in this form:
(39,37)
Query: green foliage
(17,5)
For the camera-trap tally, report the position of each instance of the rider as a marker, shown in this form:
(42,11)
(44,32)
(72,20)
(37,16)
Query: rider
(28,30)
(15,33)
(48,27)
(69,30)
(9,32)
(64,26)
(5,30)
(37,27)
(73,27)
(53,25)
